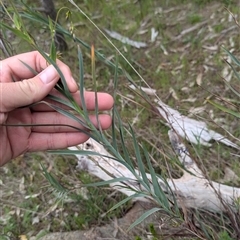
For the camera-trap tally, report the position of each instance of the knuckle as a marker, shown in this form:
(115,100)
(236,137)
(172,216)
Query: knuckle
(51,142)
(29,90)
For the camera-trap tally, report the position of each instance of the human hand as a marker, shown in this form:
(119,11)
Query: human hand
(19,87)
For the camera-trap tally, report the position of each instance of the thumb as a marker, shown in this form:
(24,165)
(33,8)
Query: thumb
(22,93)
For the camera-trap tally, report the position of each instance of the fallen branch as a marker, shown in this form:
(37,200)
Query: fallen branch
(192,190)
(190,129)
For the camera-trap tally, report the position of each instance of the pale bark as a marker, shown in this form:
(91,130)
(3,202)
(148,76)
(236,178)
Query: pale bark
(192,130)
(192,190)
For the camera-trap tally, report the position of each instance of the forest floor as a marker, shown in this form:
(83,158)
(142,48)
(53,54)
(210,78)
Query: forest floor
(184,62)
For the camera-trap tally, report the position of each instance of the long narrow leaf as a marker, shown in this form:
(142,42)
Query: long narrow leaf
(119,204)
(106,182)
(160,195)
(224,109)
(235,60)
(95,88)
(123,142)
(81,83)
(232,88)
(115,80)
(234,70)
(139,160)
(33,71)
(81,152)
(143,217)
(55,184)
(68,114)
(61,100)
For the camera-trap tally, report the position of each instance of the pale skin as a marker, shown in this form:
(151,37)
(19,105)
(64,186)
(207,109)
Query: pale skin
(28,89)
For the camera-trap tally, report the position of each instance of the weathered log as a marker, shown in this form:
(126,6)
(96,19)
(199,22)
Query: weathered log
(192,130)
(192,190)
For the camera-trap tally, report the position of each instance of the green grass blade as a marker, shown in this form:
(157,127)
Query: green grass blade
(63,81)
(61,100)
(67,114)
(17,32)
(160,195)
(224,109)
(123,142)
(54,183)
(80,152)
(139,160)
(106,182)
(36,17)
(143,217)
(113,127)
(235,60)
(119,204)
(81,83)
(115,81)
(33,71)
(53,49)
(232,88)
(234,70)
(95,88)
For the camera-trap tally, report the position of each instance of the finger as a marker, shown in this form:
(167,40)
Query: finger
(56,120)
(13,68)
(104,100)
(51,141)
(22,93)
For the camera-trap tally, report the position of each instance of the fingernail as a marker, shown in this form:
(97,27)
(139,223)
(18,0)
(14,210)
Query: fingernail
(73,81)
(48,75)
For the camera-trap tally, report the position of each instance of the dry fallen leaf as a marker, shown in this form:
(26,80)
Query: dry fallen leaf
(199,79)
(173,93)
(22,237)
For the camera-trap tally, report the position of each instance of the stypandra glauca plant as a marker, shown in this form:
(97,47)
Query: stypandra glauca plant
(14,22)
(138,156)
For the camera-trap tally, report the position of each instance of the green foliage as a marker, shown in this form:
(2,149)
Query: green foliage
(224,236)
(157,191)
(153,232)
(124,143)
(230,108)
(193,19)
(138,238)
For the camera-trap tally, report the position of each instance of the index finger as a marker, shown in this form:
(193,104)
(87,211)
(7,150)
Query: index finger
(13,67)
(104,101)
